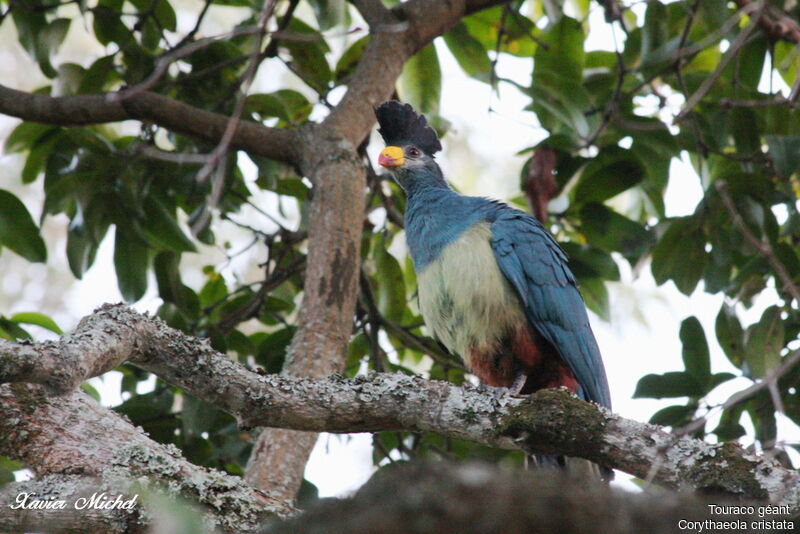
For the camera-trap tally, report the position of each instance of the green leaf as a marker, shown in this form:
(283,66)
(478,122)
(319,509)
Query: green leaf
(288,105)
(469,53)
(680,255)
(605,228)
(728,431)
(391,291)
(750,62)
(696,358)
(785,152)
(162,229)
(195,416)
(18,232)
(349,60)
(272,350)
(329,13)
(595,295)
(560,106)
(744,127)
(293,187)
(518,29)
(6,477)
(673,416)
(730,335)
(108,26)
(11,465)
(214,290)
(38,155)
(586,261)
(668,385)
(86,387)
(655,31)
(26,135)
(48,40)
(764,342)
(559,97)
(130,262)
(356,350)
(308,55)
(99,76)
(611,172)
(421,81)
(719,378)
(81,247)
(307,495)
(170,287)
(39,319)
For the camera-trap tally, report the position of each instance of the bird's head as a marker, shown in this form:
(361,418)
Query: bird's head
(410,146)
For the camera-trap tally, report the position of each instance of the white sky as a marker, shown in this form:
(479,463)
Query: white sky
(641,338)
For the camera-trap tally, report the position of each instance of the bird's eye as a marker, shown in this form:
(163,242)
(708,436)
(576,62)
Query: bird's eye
(413,152)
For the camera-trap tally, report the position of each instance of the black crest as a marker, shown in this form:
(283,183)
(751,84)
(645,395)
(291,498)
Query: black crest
(401,125)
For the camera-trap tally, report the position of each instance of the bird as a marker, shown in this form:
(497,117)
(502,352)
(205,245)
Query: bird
(494,286)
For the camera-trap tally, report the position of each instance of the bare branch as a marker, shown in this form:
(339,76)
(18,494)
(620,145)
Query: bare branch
(777,24)
(273,143)
(730,53)
(372,11)
(761,245)
(216,163)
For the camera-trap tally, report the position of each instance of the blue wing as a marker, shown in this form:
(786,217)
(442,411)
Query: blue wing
(537,268)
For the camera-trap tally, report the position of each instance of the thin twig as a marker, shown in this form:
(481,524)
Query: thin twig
(612,106)
(217,162)
(189,36)
(272,48)
(501,32)
(737,44)
(761,245)
(168,59)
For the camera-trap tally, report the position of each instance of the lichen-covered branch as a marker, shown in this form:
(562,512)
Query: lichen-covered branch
(550,421)
(74,434)
(74,511)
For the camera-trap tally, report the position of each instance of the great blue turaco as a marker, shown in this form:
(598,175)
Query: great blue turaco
(493,285)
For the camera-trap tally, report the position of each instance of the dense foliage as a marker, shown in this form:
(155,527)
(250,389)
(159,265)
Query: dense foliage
(714,82)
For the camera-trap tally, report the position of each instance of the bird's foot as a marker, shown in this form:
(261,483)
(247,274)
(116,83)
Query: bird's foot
(519,383)
(501,391)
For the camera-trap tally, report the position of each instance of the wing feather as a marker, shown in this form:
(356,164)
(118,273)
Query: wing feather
(537,269)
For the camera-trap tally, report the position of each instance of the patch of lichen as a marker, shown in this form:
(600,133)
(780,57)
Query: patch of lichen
(554,421)
(727,471)
(468,415)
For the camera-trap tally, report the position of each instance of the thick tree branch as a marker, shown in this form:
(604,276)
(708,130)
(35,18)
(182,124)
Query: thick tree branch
(777,24)
(273,143)
(424,497)
(73,434)
(372,11)
(15,517)
(550,421)
(318,348)
(395,36)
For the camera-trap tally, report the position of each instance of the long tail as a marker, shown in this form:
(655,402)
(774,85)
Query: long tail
(575,466)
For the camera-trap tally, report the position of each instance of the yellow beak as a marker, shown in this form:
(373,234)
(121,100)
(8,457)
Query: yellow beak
(391,156)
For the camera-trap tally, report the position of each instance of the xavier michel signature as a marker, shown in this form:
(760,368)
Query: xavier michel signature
(98,501)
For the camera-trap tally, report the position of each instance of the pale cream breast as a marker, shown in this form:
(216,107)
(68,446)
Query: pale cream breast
(464,297)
